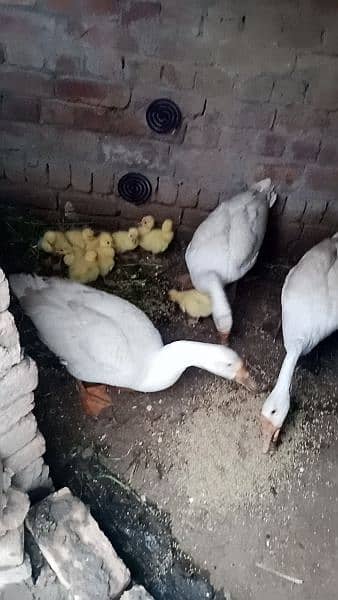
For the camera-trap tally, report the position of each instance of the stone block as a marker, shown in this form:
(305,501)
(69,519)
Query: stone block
(15,411)
(26,455)
(12,548)
(76,549)
(15,511)
(18,436)
(137,592)
(208,199)
(103,180)
(213,82)
(19,381)
(4,292)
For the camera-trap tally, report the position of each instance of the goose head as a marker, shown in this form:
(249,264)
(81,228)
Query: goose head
(146,224)
(273,415)
(133,236)
(225,362)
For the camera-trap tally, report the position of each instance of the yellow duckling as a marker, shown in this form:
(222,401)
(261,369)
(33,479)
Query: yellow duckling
(79,237)
(82,265)
(192,302)
(146,225)
(158,240)
(105,253)
(125,240)
(55,242)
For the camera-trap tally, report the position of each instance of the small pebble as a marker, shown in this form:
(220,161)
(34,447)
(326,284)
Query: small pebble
(149,408)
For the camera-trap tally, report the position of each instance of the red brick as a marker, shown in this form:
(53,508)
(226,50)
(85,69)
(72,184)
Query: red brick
(193,217)
(93,92)
(305,149)
(102,35)
(240,142)
(137,11)
(81,177)
(315,208)
(208,199)
(141,71)
(288,91)
(83,7)
(242,58)
(103,180)
(329,153)
(203,131)
(19,2)
(59,174)
(67,65)
(27,195)
(167,191)
(188,194)
(255,89)
(175,45)
(14,166)
(76,203)
(151,156)
(57,112)
(19,82)
(93,118)
(284,174)
(295,205)
(321,178)
(300,118)
(323,93)
(244,115)
(180,76)
(270,144)
(213,82)
(36,172)
(20,109)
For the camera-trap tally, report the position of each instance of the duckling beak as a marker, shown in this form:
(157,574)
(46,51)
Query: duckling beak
(269,432)
(243,378)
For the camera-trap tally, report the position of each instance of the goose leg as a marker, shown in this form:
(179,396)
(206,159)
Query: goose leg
(221,310)
(94,398)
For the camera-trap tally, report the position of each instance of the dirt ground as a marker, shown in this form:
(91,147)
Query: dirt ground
(195,452)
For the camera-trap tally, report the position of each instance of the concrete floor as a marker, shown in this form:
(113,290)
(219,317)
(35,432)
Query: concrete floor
(194,451)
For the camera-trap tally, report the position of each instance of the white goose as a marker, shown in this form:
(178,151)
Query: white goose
(226,245)
(104,339)
(309,314)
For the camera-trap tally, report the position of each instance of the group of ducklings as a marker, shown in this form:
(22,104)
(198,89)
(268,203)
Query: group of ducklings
(88,255)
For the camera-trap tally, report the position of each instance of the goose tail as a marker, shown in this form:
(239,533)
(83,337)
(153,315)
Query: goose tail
(265,186)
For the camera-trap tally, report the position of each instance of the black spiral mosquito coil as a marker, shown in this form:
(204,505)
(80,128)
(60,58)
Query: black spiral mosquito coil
(164,116)
(134,188)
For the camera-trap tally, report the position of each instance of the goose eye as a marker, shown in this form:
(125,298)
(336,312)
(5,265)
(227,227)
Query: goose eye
(273,411)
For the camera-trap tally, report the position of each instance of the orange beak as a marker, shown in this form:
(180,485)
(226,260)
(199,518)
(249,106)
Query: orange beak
(243,378)
(270,433)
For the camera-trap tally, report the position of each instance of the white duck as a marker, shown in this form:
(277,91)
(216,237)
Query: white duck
(226,245)
(104,339)
(309,314)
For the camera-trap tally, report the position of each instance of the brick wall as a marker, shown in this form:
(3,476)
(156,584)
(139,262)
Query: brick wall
(257,83)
